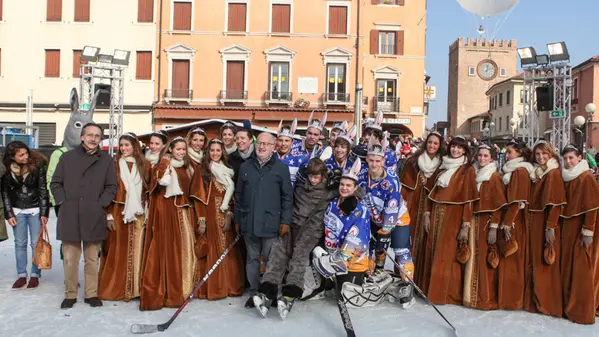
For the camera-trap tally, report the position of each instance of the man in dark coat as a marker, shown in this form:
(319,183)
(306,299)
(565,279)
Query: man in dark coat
(84,185)
(245,148)
(264,205)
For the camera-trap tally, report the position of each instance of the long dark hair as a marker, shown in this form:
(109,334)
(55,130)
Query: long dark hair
(413,160)
(36,159)
(168,149)
(137,154)
(571,148)
(522,149)
(207,175)
(463,143)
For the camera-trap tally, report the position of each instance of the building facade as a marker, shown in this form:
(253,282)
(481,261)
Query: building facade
(474,67)
(267,60)
(40,45)
(585,90)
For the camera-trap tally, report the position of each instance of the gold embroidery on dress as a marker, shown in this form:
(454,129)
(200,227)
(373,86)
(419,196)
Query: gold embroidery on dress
(220,218)
(188,259)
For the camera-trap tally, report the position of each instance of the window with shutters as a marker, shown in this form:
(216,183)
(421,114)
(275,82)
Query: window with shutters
(82,10)
(143,65)
(52,63)
(338,20)
(0,10)
(54,10)
(389,42)
(181,17)
(281,18)
(145,11)
(77,62)
(236,16)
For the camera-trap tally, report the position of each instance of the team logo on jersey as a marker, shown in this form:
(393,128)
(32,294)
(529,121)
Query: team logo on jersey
(392,170)
(353,231)
(392,203)
(385,185)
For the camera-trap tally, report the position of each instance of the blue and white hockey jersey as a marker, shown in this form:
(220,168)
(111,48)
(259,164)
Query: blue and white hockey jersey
(361,151)
(383,199)
(332,164)
(348,234)
(293,161)
(299,147)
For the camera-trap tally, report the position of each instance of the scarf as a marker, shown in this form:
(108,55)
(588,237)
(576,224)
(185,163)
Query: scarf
(231,149)
(512,165)
(195,156)
(263,162)
(152,158)
(450,165)
(573,173)
(484,173)
(90,152)
(538,172)
(245,155)
(133,184)
(19,171)
(224,176)
(173,187)
(427,165)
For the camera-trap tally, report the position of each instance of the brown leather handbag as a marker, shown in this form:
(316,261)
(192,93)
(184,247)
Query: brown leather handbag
(42,256)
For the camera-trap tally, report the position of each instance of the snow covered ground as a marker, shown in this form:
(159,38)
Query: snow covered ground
(37,313)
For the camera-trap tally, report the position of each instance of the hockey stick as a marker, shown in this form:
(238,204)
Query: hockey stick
(150,328)
(347,325)
(420,291)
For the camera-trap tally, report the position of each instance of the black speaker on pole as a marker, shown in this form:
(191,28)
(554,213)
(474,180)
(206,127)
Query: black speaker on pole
(545,98)
(103,96)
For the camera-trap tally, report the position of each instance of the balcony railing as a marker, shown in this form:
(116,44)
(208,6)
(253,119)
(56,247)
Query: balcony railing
(389,2)
(386,104)
(387,49)
(233,96)
(335,98)
(178,94)
(274,97)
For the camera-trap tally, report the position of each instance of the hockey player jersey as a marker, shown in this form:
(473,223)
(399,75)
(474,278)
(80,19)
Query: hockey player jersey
(383,199)
(360,151)
(293,160)
(332,164)
(299,147)
(348,234)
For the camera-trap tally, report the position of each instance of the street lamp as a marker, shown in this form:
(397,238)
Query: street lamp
(491,128)
(514,124)
(579,121)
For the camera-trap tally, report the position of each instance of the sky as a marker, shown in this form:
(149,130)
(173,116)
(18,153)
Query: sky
(532,23)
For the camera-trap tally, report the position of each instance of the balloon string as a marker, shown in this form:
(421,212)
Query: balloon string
(502,22)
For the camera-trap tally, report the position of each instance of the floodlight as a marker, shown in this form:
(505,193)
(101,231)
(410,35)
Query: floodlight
(103,58)
(528,55)
(558,52)
(121,57)
(543,60)
(90,54)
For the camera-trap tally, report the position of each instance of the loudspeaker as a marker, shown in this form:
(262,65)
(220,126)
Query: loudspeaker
(104,95)
(545,98)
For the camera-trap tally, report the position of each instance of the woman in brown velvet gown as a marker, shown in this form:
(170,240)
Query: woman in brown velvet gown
(120,268)
(196,146)
(480,277)
(212,193)
(543,282)
(512,241)
(448,217)
(169,267)
(417,179)
(580,250)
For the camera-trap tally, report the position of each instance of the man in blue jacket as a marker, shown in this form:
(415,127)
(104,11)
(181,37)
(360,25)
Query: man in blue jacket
(264,205)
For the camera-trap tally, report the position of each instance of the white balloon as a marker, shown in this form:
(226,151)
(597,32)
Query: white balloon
(485,8)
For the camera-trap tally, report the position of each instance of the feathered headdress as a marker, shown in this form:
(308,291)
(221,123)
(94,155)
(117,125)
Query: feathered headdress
(375,149)
(315,123)
(286,131)
(349,135)
(353,171)
(377,123)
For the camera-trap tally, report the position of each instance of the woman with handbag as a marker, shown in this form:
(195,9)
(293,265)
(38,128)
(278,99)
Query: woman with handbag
(212,192)
(26,204)
(119,277)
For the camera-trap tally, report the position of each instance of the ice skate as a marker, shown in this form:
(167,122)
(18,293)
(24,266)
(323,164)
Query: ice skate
(284,305)
(262,303)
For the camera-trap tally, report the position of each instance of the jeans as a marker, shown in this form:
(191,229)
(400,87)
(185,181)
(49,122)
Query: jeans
(34,225)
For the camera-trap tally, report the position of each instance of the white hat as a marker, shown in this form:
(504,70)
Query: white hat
(340,126)
(376,149)
(377,123)
(349,135)
(352,172)
(315,123)
(285,131)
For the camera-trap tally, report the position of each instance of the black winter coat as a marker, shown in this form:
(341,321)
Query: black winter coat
(263,197)
(31,192)
(235,161)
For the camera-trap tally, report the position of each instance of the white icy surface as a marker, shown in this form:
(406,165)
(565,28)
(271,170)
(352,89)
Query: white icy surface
(36,313)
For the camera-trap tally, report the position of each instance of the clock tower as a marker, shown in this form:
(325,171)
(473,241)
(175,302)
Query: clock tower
(475,66)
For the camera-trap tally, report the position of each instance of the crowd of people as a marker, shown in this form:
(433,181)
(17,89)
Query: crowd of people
(315,214)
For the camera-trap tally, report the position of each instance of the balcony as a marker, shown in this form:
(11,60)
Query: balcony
(185,95)
(330,98)
(387,105)
(278,97)
(386,49)
(233,96)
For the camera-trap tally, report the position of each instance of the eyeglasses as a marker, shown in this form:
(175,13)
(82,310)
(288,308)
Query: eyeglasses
(261,144)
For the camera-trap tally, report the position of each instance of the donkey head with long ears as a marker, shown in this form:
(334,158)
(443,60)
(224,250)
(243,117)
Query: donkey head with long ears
(78,118)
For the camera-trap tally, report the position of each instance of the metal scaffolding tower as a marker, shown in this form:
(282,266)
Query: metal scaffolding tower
(113,75)
(559,77)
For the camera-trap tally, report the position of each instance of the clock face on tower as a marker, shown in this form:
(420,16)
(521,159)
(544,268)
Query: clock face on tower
(487,70)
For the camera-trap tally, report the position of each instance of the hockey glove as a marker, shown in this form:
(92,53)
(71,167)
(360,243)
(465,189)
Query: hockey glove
(330,265)
(348,205)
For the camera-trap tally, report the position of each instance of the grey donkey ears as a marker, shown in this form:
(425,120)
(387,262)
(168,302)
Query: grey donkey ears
(74,102)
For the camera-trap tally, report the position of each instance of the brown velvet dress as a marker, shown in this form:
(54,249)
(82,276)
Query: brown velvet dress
(579,265)
(443,275)
(169,260)
(543,281)
(415,193)
(511,268)
(228,279)
(120,268)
